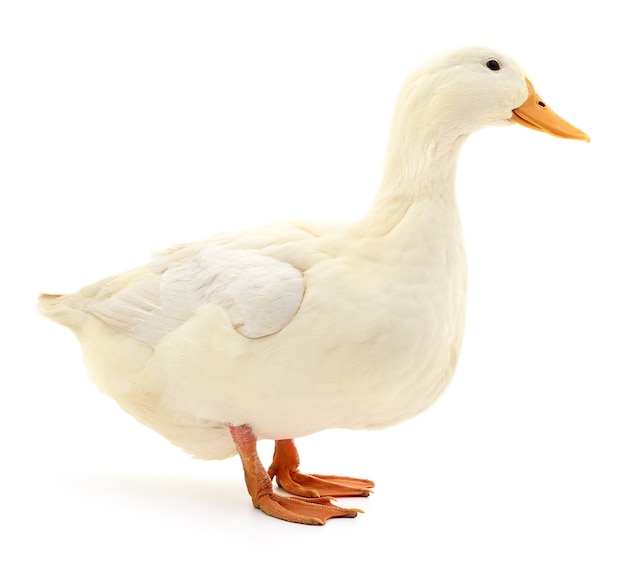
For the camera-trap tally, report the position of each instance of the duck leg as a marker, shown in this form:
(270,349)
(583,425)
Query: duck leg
(285,468)
(312,511)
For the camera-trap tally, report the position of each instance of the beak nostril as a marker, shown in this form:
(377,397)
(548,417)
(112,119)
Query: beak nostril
(541,104)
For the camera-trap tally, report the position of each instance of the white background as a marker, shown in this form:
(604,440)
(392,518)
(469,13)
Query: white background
(127,126)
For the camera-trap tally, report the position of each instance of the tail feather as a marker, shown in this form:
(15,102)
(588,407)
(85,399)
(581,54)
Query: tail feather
(64,309)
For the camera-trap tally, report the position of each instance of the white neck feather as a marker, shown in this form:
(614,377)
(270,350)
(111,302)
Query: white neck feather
(420,162)
(423,146)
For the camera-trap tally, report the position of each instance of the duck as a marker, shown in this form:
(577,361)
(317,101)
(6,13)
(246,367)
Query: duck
(288,329)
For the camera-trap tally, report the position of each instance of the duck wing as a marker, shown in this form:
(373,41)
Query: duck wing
(259,293)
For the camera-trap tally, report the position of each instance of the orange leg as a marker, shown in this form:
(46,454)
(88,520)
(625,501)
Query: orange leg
(285,468)
(311,511)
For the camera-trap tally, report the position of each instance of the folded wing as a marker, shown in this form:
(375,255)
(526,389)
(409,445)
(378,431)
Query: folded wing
(259,293)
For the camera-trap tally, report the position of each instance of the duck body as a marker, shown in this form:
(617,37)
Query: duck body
(374,340)
(288,329)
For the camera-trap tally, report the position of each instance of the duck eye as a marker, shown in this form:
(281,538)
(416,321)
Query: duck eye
(493,64)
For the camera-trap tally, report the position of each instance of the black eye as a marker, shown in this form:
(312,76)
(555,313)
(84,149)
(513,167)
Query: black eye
(493,64)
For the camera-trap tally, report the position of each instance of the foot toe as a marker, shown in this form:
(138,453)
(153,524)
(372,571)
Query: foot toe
(315,511)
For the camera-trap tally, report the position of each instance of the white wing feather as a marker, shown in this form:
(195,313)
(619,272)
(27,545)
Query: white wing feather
(259,293)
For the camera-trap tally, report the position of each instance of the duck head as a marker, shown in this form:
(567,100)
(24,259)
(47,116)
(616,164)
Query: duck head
(472,88)
(447,99)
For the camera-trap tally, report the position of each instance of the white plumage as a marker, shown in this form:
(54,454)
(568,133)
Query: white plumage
(290,329)
(259,294)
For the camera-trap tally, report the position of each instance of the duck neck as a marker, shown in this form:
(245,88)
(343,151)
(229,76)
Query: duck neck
(422,153)
(416,171)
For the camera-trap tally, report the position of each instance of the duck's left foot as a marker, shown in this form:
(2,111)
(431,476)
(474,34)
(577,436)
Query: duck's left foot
(311,511)
(285,469)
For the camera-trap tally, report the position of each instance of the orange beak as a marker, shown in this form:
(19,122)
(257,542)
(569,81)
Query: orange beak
(535,114)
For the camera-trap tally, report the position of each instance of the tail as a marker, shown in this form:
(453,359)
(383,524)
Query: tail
(65,309)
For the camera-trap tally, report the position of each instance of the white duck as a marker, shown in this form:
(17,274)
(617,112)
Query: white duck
(289,329)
